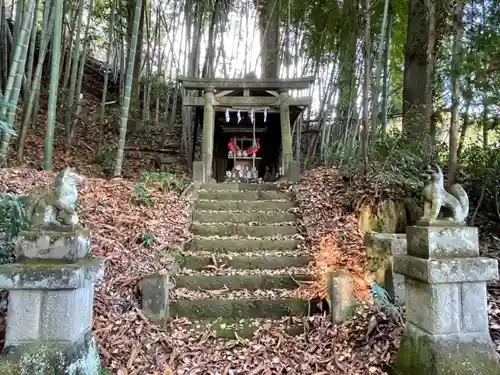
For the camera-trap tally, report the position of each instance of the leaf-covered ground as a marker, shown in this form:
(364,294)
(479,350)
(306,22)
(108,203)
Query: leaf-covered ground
(130,344)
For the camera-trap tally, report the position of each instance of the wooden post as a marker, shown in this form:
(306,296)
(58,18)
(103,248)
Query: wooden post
(207,147)
(286,135)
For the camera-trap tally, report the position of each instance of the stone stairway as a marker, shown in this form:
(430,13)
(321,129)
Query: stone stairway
(242,267)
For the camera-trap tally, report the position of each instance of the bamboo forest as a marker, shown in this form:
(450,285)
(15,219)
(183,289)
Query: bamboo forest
(224,187)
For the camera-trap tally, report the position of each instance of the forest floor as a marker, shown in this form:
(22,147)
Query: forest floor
(130,344)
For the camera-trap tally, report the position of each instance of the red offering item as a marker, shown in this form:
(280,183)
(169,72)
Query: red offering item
(254,148)
(232,145)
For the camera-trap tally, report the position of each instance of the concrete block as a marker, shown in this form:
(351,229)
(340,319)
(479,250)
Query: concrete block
(67,245)
(23,316)
(421,353)
(80,357)
(66,314)
(474,308)
(198,172)
(433,308)
(342,297)
(454,270)
(154,289)
(51,275)
(442,241)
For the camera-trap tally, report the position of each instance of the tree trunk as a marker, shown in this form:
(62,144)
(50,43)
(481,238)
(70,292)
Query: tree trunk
(128,89)
(420,59)
(456,60)
(54,83)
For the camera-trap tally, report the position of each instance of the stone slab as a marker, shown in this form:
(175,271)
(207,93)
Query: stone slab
(433,308)
(234,282)
(51,275)
(239,187)
(154,289)
(241,245)
(466,354)
(269,262)
(263,217)
(80,357)
(48,315)
(68,245)
(244,205)
(243,230)
(442,241)
(455,270)
(239,308)
(228,195)
(342,297)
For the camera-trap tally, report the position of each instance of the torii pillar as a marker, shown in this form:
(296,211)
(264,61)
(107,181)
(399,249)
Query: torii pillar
(207,147)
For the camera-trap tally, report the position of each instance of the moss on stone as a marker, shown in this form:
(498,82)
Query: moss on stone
(419,354)
(387,216)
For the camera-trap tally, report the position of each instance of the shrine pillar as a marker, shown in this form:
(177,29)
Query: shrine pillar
(207,147)
(286,134)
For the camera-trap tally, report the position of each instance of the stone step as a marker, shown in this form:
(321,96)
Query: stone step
(239,187)
(245,328)
(240,245)
(228,271)
(243,230)
(238,308)
(259,205)
(235,261)
(261,217)
(233,282)
(243,195)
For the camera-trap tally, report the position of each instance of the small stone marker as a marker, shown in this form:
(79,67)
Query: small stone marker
(51,290)
(342,297)
(154,289)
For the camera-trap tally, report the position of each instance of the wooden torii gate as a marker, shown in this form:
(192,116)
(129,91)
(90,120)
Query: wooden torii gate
(217,97)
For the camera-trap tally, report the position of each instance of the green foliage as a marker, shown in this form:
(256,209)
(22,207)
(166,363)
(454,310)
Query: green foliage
(106,157)
(147,239)
(12,221)
(482,169)
(141,194)
(162,181)
(383,301)
(396,161)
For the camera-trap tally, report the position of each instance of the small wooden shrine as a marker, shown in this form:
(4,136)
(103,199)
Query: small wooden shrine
(246,126)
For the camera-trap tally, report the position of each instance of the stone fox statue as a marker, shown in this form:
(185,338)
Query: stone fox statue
(455,200)
(55,206)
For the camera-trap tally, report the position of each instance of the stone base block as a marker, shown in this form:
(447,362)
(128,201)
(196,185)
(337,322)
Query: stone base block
(154,290)
(342,297)
(442,241)
(51,274)
(68,245)
(79,357)
(421,353)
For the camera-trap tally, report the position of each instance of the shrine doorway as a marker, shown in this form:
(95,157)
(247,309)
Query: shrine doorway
(268,136)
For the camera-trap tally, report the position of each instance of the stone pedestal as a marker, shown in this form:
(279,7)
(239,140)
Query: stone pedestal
(49,318)
(447,315)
